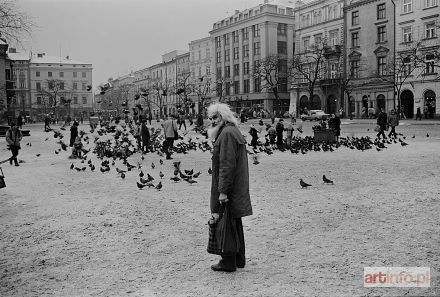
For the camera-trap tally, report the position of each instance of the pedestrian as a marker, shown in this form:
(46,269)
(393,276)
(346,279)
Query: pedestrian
(77,148)
(145,137)
(230,178)
(169,130)
(242,116)
(393,121)
(280,128)
(20,122)
(182,121)
(272,117)
(272,133)
(289,131)
(254,133)
(137,134)
(47,123)
(418,114)
(382,123)
(73,133)
(425,111)
(82,119)
(200,121)
(13,138)
(334,123)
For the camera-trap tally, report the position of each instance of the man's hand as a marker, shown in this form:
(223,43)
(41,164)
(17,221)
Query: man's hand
(223,198)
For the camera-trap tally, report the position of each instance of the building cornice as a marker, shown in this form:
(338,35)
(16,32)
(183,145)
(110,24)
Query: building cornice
(359,4)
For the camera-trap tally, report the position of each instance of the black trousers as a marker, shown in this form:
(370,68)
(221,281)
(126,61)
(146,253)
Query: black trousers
(392,132)
(167,144)
(14,151)
(182,122)
(240,258)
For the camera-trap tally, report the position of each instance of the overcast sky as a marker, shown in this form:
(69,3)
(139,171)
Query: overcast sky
(117,36)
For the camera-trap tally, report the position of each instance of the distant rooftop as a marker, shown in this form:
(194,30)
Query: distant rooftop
(45,59)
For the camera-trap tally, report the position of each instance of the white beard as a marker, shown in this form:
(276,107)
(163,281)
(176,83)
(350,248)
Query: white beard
(213,131)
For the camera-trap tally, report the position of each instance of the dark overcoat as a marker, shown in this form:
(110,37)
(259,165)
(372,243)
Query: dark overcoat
(230,172)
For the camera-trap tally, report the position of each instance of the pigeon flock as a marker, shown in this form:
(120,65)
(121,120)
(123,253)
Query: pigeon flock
(116,143)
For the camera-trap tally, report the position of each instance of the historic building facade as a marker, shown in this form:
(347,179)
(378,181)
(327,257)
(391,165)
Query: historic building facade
(319,36)
(417,28)
(242,41)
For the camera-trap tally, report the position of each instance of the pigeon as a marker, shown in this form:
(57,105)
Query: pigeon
(140,186)
(84,168)
(403,143)
(122,175)
(38,155)
(183,175)
(413,136)
(176,164)
(78,169)
(176,171)
(141,174)
(175,179)
(161,161)
(72,166)
(150,178)
(119,170)
(209,171)
(196,175)
(427,135)
(92,167)
(304,184)
(191,181)
(161,174)
(152,165)
(159,186)
(326,180)
(144,181)
(189,172)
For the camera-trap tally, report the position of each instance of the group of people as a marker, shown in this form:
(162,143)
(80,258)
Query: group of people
(384,122)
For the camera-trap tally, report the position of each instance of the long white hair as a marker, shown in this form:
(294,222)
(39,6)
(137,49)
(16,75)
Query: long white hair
(224,111)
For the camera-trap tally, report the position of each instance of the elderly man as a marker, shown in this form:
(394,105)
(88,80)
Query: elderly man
(169,130)
(230,177)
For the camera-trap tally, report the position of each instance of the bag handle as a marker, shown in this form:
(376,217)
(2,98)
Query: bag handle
(2,175)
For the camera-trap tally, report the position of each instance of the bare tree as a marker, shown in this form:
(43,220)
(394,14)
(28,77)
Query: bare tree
(202,89)
(53,92)
(158,90)
(308,68)
(13,22)
(184,89)
(222,86)
(273,74)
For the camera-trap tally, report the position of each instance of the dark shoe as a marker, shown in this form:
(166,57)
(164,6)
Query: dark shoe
(10,161)
(221,267)
(16,164)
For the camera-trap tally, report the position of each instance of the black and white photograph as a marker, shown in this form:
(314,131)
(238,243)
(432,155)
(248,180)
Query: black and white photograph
(188,148)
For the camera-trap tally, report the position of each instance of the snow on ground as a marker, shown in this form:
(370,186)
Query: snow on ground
(69,233)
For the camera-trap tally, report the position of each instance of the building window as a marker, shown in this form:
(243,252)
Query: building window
(407,6)
(236,53)
(256,48)
(84,99)
(429,64)
(75,100)
(228,88)
(381,34)
(83,86)
(208,70)
(355,39)
(318,39)
(219,57)
(430,3)
(406,66)
(245,33)
(227,71)
(355,18)
(218,42)
(61,74)
(246,50)
(282,47)
(236,69)
(381,11)
(226,37)
(75,86)
(22,83)
(246,68)
(381,65)
(74,74)
(227,55)
(37,74)
(407,34)
(256,30)
(333,37)
(38,86)
(282,29)
(257,84)
(354,69)
(306,44)
(246,86)
(430,30)
(235,36)
(236,87)
(219,72)
(39,100)
(49,74)
(208,53)
(283,84)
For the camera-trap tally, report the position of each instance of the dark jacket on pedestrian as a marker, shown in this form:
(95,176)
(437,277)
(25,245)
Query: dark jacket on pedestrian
(145,135)
(73,133)
(230,172)
(382,120)
(13,138)
(393,120)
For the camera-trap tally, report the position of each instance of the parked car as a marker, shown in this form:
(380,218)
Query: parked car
(315,115)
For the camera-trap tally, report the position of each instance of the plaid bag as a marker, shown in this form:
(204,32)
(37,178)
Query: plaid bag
(2,179)
(213,246)
(223,237)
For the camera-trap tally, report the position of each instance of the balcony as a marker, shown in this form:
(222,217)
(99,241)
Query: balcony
(334,50)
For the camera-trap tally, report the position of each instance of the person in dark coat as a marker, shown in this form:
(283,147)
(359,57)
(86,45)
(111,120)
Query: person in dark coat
(254,133)
(280,128)
(334,123)
(230,177)
(73,133)
(393,121)
(47,123)
(13,137)
(418,114)
(20,122)
(382,122)
(145,137)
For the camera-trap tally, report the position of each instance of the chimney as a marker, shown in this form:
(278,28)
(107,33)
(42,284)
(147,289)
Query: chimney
(12,50)
(40,55)
(67,57)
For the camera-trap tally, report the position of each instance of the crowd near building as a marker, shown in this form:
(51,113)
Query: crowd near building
(282,57)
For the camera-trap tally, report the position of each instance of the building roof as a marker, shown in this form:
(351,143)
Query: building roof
(18,56)
(45,59)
